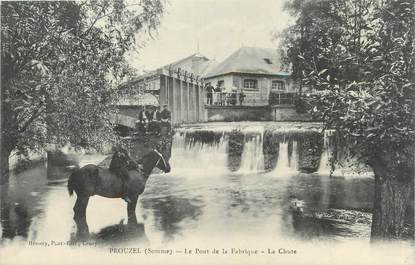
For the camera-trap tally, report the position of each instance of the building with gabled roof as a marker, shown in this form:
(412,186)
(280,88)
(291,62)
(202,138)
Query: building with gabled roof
(249,60)
(255,71)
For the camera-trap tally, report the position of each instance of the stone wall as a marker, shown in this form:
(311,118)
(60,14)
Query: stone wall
(254,113)
(288,113)
(238,113)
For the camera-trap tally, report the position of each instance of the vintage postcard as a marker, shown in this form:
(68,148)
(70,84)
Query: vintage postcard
(207,132)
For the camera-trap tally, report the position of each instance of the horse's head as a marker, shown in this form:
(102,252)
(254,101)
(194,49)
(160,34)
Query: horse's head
(155,159)
(162,164)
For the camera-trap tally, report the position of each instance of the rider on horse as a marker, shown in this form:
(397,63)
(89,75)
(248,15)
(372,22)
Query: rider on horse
(120,164)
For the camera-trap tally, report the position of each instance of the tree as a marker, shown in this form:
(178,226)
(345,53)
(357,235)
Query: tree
(357,58)
(60,64)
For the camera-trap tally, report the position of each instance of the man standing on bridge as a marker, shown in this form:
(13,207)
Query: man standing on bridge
(154,125)
(141,123)
(165,117)
(209,93)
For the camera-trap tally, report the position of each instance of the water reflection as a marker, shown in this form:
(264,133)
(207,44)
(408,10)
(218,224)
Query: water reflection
(19,200)
(121,234)
(171,214)
(178,206)
(14,217)
(323,198)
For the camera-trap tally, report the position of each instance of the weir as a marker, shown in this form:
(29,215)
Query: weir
(287,164)
(327,155)
(252,157)
(191,152)
(283,166)
(294,158)
(281,149)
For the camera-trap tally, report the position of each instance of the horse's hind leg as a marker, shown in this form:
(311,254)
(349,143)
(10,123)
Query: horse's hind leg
(80,216)
(132,218)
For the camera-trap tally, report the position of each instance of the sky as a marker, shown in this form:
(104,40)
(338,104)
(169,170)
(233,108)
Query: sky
(219,26)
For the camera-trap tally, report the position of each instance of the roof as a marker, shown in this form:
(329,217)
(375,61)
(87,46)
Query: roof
(207,66)
(251,60)
(195,63)
(178,63)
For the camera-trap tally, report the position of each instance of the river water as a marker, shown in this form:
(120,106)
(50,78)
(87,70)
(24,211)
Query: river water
(202,204)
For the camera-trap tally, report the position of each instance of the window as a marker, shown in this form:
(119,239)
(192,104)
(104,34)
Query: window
(278,85)
(221,83)
(251,83)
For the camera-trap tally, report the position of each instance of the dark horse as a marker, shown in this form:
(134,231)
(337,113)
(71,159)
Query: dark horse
(95,180)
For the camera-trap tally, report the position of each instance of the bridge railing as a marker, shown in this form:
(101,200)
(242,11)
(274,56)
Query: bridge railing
(282,98)
(250,98)
(254,98)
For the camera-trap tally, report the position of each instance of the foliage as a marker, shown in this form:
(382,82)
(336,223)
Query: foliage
(301,105)
(61,63)
(357,58)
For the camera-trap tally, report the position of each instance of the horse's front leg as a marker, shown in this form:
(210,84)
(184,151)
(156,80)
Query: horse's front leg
(132,218)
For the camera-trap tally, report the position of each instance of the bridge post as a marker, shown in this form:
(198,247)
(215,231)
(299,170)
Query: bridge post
(193,100)
(162,90)
(186,105)
(202,110)
(171,97)
(197,103)
(166,88)
(182,109)
(178,99)
(190,103)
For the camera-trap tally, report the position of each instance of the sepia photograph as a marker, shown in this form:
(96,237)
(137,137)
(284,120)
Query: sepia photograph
(217,132)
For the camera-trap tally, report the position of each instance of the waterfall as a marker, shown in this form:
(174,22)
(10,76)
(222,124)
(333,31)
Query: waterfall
(252,156)
(189,155)
(197,149)
(294,158)
(324,167)
(179,152)
(286,165)
(282,166)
